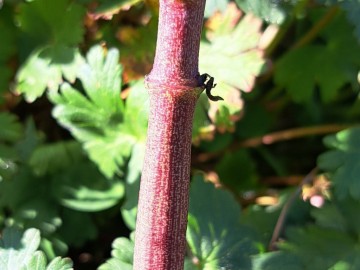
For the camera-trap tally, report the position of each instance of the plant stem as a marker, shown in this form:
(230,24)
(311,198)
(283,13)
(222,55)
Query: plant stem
(282,217)
(277,136)
(173,90)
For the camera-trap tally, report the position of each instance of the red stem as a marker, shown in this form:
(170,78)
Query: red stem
(164,191)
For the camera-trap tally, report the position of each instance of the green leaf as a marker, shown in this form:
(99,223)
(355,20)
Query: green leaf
(214,234)
(262,220)
(18,252)
(122,255)
(111,7)
(235,47)
(215,5)
(330,217)
(137,110)
(4,80)
(202,126)
(73,232)
(234,56)
(61,22)
(40,213)
(37,262)
(271,11)
(52,158)
(237,170)
(101,80)
(52,63)
(8,35)
(53,246)
(342,163)
(60,264)
(352,8)
(17,248)
(8,137)
(90,193)
(13,130)
(129,208)
(322,248)
(7,47)
(137,47)
(32,138)
(85,199)
(97,119)
(317,69)
(278,260)
(115,264)
(328,67)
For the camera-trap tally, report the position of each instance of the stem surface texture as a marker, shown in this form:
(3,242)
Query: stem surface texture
(173,91)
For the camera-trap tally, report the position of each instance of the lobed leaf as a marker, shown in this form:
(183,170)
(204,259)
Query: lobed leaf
(216,238)
(327,67)
(237,44)
(322,248)
(99,119)
(122,254)
(278,260)
(272,11)
(52,158)
(17,248)
(91,192)
(215,5)
(18,252)
(52,63)
(237,170)
(342,163)
(61,22)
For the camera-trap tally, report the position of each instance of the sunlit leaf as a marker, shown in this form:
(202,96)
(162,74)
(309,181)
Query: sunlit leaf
(107,8)
(53,63)
(97,118)
(215,5)
(234,57)
(122,255)
(60,264)
(17,248)
(272,11)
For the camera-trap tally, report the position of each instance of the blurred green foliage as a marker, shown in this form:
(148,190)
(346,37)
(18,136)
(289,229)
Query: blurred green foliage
(73,120)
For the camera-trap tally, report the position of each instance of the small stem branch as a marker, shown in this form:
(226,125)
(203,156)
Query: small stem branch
(278,136)
(282,217)
(291,134)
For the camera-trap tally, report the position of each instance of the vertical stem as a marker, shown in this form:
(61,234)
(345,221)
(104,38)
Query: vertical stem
(163,200)
(173,90)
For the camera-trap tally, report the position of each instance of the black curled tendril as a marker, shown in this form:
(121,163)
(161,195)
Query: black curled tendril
(207,82)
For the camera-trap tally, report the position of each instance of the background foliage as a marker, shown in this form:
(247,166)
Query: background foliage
(280,156)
